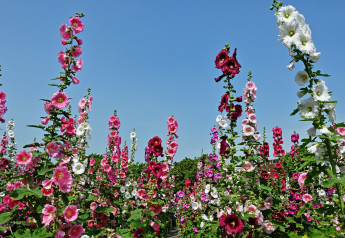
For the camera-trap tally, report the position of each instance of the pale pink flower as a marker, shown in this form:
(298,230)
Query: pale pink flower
(248,130)
(76,24)
(307,197)
(47,183)
(23,158)
(76,231)
(70,213)
(171,152)
(77,66)
(63,178)
(48,214)
(250,85)
(248,166)
(65,32)
(52,149)
(252,117)
(268,227)
(173,145)
(60,100)
(60,234)
(301,179)
(252,210)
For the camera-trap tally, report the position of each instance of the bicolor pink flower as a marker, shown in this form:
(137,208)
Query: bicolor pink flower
(65,32)
(76,24)
(165,166)
(48,214)
(47,191)
(252,117)
(268,227)
(63,178)
(70,213)
(154,225)
(171,121)
(298,196)
(23,158)
(52,149)
(301,179)
(250,85)
(63,57)
(341,131)
(248,130)
(60,234)
(93,206)
(60,100)
(141,193)
(248,166)
(77,66)
(307,197)
(76,231)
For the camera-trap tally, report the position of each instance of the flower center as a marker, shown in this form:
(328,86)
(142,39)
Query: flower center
(68,213)
(75,25)
(291,32)
(59,175)
(287,15)
(304,77)
(304,42)
(318,93)
(60,100)
(25,158)
(309,109)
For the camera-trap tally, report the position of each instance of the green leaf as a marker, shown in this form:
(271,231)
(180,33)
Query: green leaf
(318,73)
(5,217)
(19,193)
(32,145)
(105,210)
(44,171)
(294,112)
(330,182)
(36,126)
(135,215)
(265,188)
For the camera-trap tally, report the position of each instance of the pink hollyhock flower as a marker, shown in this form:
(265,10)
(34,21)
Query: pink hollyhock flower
(48,106)
(76,231)
(157,171)
(301,179)
(92,161)
(298,196)
(23,158)
(171,152)
(165,166)
(154,225)
(77,66)
(60,234)
(63,57)
(75,80)
(252,117)
(114,122)
(70,213)
(76,51)
(341,131)
(64,42)
(248,166)
(76,24)
(45,121)
(48,214)
(173,145)
(250,85)
(65,32)
(93,206)
(307,197)
(268,227)
(171,120)
(52,149)
(157,209)
(63,178)
(79,41)
(60,100)
(172,128)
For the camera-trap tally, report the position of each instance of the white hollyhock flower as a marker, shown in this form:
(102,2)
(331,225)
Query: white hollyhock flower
(330,109)
(315,56)
(2,194)
(133,135)
(127,195)
(202,224)
(134,192)
(204,217)
(85,163)
(312,149)
(78,168)
(10,134)
(305,44)
(288,33)
(122,189)
(219,118)
(321,192)
(211,217)
(311,131)
(214,193)
(128,183)
(223,123)
(286,14)
(320,92)
(291,66)
(325,131)
(302,78)
(308,108)
(300,94)
(342,149)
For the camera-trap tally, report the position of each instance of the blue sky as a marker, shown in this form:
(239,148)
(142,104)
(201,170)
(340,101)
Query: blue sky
(153,59)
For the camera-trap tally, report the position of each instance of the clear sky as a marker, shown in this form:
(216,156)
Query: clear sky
(153,59)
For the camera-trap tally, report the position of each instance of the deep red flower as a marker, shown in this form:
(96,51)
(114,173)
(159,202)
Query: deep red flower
(223,102)
(231,65)
(221,58)
(157,150)
(224,148)
(157,171)
(139,233)
(231,223)
(155,141)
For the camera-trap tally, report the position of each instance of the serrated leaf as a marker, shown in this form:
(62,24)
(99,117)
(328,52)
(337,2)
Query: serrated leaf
(330,182)
(44,171)
(19,193)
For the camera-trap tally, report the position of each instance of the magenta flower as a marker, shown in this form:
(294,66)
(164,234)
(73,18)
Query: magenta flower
(48,214)
(60,100)
(70,213)
(65,32)
(76,51)
(76,231)
(23,158)
(76,24)
(63,57)
(76,67)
